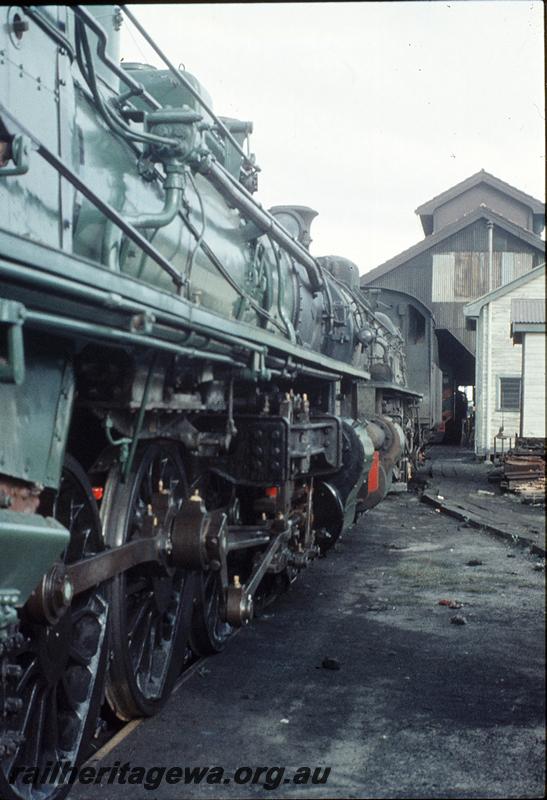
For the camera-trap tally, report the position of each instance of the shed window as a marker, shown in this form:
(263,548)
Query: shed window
(509,394)
(416,325)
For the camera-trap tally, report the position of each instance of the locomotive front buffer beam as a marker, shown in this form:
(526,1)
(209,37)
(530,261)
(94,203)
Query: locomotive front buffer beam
(194,540)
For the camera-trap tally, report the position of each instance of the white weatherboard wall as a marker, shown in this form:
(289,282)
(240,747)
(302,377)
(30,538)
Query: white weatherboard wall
(533,376)
(498,357)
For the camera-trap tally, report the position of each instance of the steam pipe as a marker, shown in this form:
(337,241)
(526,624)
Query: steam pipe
(490,226)
(174,186)
(263,220)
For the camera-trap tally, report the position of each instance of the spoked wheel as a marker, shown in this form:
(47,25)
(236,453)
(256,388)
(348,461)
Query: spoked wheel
(271,587)
(210,633)
(52,675)
(151,604)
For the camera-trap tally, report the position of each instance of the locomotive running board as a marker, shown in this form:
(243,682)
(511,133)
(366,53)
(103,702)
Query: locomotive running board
(41,268)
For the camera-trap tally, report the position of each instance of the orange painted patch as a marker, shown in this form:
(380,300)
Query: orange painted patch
(374,473)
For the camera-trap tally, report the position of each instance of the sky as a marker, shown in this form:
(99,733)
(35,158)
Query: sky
(366,110)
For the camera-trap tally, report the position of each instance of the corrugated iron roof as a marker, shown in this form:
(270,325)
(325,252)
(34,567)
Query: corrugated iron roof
(537,206)
(527,311)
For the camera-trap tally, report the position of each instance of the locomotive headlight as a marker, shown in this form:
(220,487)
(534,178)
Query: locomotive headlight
(366,336)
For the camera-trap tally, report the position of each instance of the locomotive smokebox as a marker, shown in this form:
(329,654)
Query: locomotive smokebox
(297,220)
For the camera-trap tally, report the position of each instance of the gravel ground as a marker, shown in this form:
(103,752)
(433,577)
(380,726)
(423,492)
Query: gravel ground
(420,707)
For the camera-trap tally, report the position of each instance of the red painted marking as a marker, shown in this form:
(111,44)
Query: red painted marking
(374,473)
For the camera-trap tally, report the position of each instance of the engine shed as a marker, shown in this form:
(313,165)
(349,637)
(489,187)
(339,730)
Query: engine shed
(479,235)
(417,325)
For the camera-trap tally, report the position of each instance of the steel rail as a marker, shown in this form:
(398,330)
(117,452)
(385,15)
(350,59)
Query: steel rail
(127,728)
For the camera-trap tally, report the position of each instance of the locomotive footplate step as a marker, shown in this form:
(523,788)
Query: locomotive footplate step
(419,707)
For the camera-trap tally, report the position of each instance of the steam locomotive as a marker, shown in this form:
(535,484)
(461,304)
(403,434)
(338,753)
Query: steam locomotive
(192,407)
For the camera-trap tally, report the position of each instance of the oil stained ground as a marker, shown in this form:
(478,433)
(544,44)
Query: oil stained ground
(420,707)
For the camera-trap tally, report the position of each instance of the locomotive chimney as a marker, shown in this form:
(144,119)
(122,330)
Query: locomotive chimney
(297,220)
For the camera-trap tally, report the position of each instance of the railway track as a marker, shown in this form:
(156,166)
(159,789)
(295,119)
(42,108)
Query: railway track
(112,731)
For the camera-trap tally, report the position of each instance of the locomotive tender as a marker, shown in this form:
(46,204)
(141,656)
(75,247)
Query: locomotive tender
(192,407)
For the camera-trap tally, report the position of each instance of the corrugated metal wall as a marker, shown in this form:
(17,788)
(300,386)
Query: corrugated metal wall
(413,277)
(442,277)
(483,194)
(513,265)
(455,271)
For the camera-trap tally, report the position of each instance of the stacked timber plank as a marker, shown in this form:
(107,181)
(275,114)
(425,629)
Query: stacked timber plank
(523,470)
